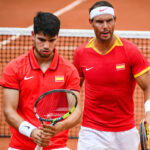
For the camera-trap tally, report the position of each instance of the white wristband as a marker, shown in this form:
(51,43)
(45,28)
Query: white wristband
(26,128)
(147,105)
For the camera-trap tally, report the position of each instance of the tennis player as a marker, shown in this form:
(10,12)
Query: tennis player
(27,77)
(110,67)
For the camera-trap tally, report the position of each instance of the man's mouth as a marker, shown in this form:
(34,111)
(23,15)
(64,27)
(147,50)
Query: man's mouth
(106,33)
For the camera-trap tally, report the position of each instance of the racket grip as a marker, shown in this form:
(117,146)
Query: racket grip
(38,148)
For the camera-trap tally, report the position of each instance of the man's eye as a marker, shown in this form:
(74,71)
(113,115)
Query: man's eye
(52,40)
(99,21)
(42,40)
(109,20)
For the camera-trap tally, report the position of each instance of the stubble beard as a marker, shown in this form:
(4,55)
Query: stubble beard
(38,52)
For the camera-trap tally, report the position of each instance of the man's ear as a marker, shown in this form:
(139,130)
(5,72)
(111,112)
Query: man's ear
(33,34)
(90,21)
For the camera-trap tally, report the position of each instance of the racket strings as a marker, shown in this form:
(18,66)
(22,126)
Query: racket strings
(55,105)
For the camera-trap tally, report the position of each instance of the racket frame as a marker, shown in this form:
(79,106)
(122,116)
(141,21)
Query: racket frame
(144,135)
(55,120)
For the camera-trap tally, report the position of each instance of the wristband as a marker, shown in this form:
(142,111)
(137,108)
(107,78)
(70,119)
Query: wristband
(26,128)
(147,105)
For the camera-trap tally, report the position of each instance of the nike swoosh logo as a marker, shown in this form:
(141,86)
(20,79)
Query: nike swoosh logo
(101,10)
(87,69)
(27,78)
(27,127)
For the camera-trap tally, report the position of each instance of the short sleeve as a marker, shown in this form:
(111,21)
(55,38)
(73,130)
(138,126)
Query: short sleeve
(139,63)
(9,77)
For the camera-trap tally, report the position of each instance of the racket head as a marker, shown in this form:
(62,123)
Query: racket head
(144,135)
(55,105)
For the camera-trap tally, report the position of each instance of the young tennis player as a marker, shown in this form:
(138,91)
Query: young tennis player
(110,67)
(27,77)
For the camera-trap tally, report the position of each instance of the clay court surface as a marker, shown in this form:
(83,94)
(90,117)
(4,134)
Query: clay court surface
(131,15)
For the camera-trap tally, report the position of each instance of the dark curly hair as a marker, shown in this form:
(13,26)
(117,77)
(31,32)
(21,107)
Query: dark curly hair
(47,23)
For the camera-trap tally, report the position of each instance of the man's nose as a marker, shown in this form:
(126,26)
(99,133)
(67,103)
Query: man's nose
(46,44)
(105,24)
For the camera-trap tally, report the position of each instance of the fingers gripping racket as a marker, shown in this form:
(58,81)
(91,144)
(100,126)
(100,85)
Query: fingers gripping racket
(144,135)
(54,106)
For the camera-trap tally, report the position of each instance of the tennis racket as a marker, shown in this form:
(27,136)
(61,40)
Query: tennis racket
(144,135)
(54,106)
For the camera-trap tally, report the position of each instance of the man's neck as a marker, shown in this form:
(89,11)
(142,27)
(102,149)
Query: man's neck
(103,46)
(43,62)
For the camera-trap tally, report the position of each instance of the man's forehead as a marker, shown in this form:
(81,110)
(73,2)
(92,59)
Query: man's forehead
(45,36)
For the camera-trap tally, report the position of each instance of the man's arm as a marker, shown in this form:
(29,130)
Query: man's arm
(10,101)
(144,82)
(81,81)
(76,116)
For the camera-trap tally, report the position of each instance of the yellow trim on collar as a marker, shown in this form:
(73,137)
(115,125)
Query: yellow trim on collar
(90,44)
(142,72)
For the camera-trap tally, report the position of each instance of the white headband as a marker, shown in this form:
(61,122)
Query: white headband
(101,10)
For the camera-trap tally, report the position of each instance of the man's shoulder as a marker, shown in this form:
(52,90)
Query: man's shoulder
(129,47)
(22,57)
(66,64)
(128,44)
(18,61)
(82,47)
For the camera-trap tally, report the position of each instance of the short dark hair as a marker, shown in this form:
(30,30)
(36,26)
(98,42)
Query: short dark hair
(47,23)
(100,3)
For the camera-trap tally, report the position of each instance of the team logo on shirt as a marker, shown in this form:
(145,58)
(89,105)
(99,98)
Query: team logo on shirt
(59,78)
(120,66)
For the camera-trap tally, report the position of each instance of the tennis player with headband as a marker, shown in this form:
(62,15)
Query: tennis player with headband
(110,67)
(30,75)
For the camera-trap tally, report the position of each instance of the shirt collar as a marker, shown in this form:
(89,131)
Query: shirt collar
(118,42)
(34,64)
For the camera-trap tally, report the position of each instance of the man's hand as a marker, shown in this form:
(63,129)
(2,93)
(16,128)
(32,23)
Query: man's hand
(50,130)
(40,138)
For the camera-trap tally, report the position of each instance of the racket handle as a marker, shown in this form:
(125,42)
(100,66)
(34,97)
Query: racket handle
(38,148)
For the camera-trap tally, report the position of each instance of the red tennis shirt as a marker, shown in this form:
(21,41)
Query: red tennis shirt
(24,74)
(110,84)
